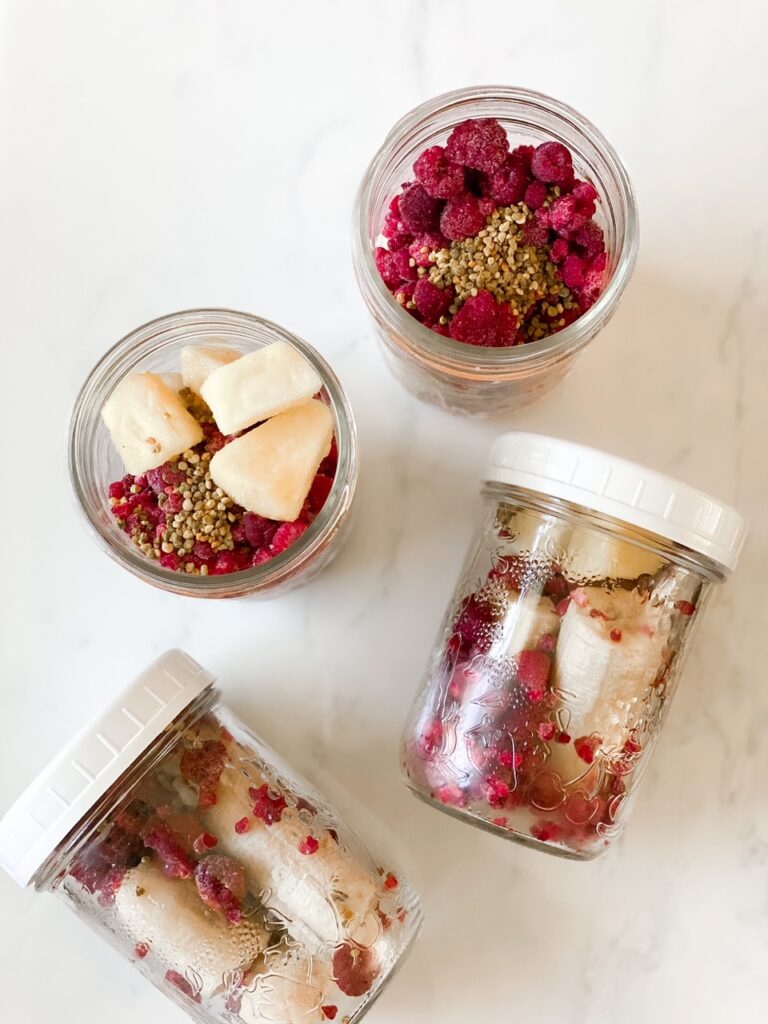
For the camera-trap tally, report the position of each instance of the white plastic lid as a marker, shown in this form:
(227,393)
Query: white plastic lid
(66,790)
(636,495)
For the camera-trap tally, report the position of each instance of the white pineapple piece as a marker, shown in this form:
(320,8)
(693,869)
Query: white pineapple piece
(270,469)
(182,933)
(199,361)
(258,385)
(148,422)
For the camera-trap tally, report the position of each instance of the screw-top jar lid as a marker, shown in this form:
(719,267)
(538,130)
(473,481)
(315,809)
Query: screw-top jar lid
(629,492)
(66,790)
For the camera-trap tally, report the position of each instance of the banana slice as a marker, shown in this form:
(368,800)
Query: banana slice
(259,385)
(270,469)
(592,555)
(322,897)
(609,651)
(286,987)
(168,916)
(148,422)
(199,361)
(173,380)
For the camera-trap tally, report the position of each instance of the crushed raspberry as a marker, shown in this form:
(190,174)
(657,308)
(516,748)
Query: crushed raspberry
(431,739)
(329,1012)
(355,968)
(563,737)
(242,825)
(547,731)
(552,163)
(141,949)
(180,982)
(166,843)
(441,178)
(454,796)
(546,832)
(586,747)
(462,217)
(509,759)
(221,883)
(204,843)
(632,746)
(548,643)
(480,143)
(616,635)
(420,212)
(267,807)
(536,195)
(309,846)
(202,766)
(501,822)
(533,669)
(431,301)
(497,791)
(286,535)
(391,881)
(559,250)
(686,607)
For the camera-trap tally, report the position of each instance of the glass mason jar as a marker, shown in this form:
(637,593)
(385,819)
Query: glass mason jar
(190,846)
(563,643)
(471,379)
(94,463)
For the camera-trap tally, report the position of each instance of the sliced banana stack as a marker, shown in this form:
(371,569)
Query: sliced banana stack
(168,916)
(323,897)
(287,986)
(148,422)
(199,361)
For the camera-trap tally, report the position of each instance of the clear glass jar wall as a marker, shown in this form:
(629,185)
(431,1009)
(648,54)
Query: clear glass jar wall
(231,884)
(94,463)
(552,673)
(466,378)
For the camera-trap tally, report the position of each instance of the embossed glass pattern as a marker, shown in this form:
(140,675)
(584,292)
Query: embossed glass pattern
(232,885)
(552,673)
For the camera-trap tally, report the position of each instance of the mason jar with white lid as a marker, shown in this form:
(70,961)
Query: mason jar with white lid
(192,848)
(563,643)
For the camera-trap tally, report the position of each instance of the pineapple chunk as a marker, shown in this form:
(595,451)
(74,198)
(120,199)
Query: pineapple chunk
(199,361)
(270,469)
(148,422)
(259,385)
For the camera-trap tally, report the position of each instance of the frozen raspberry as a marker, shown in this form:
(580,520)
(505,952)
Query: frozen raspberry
(559,250)
(536,195)
(480,143)
(497,791)
(180,982)
(391,882)
(507,326)
(401,261)
(170,560)
(404,292)
(394,229)
(546,832)
(329,463)
(533,669)
(286,535)
(573,270)
(222,886)
(586,747)
(265,555)
(266,806)
(423,246)
(535,232)
(453,796)
(585,194)
(432,302)
(462,217)
(561,212)
(329,1012)
(258,531)
(242,826)
(176,861)
(486,206)
(552,163)
(547,731)
(117,489)
(563,737)
(441,178)
(99,868)
(309,846)
(204,842)
(419,211)
(475,322)
(507,184)
(202,766)
(523,156)
(501,822)
(386,267)
(593,280)
(319,491)
(686,607)
(141,949)
(590,238)
(355,968)
(225,563)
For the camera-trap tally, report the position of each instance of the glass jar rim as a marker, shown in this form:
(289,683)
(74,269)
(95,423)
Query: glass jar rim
(123,357)
(425,344)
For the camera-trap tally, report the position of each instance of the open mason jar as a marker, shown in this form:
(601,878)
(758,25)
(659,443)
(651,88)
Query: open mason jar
(563,644)
(194,850)
(96,470)
(470,378)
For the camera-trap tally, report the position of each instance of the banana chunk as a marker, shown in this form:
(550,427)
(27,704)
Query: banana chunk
(270,469)
(199,361)
(599,556)
(182,933)
(286,987)
(148,422)
(321,897)
(259,385)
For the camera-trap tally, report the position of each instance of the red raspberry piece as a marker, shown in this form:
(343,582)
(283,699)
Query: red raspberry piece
(480,143)
(547,731)
(523,156)
(616,635)
(536,195)
(533,669)
(141,949)
(552,163)
(507,326)
(441,178)
(401,261)
(202,766)
(170,560)
(559,250)
(593,280)
(497,791)
(319,491)
(180,982)
(686,607)
(391,882)
(204,842)
(585,194)
(574,269)
(286,535)
(242,826)
(117,489)
(561,212)
(422,246)
(546,832)
(266,806)
(419,211)
(432,302)
(329,1012)
(590,237)
(507,184)
(158,836)
(329,463)
(221,884)
(386,267)
(355,968)
(486,206)
(586,747)
(394,229)
(475,322)
(462,217)
(309,846)
(536,232)
(225,563)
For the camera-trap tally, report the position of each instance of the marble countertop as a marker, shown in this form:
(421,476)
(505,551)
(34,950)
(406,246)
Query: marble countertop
(160,156)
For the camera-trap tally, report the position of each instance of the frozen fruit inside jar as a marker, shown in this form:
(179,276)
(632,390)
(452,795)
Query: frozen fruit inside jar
(485,219)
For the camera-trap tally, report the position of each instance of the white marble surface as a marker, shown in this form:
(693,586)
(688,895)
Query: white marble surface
(161,155)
